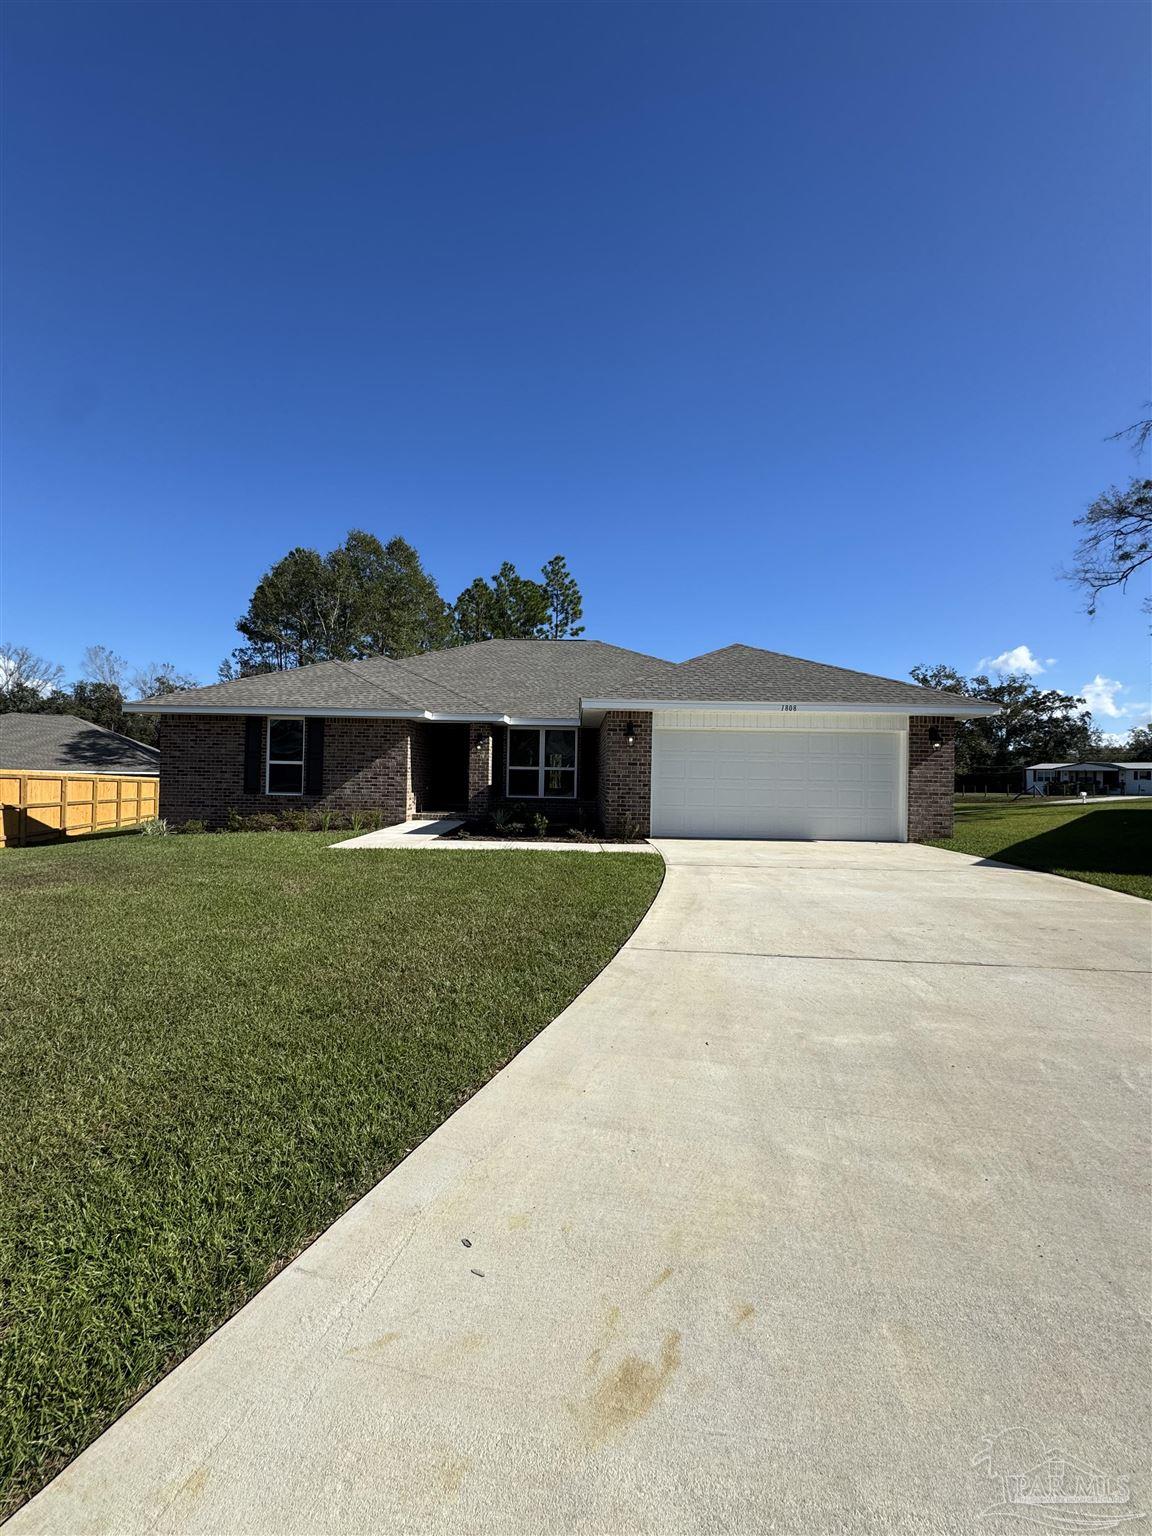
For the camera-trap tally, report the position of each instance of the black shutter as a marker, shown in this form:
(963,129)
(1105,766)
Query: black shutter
(588,764)
(314,757)
(253,750)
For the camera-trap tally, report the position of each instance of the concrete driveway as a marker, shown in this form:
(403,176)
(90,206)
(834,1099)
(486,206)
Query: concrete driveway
(822,1208)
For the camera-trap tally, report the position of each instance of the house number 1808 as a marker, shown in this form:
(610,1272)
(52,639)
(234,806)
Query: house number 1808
(788,706)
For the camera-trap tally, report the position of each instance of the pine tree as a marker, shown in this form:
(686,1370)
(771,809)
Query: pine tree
(565,604)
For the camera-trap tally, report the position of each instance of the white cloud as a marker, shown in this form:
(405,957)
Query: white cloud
(1100,696)
(1018,659)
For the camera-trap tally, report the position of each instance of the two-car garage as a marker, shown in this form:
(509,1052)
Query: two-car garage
(803,775)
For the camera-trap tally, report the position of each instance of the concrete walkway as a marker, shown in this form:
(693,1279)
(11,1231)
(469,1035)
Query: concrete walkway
(426,835)
(836,1174)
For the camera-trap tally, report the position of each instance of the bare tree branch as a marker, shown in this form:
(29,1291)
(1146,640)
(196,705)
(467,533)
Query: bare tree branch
(1139,432)
(1117,544)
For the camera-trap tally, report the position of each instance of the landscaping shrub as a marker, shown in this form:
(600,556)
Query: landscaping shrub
(318,819)
(261,821)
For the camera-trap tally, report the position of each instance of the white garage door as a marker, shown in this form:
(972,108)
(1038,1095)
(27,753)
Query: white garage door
(787,783)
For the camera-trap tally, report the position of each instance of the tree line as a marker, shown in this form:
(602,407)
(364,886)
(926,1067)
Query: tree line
(1036,725)
(365,598)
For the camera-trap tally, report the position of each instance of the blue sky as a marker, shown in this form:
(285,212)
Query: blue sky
(797,325)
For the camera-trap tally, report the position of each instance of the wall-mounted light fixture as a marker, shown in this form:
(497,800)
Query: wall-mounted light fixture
(631,730)
(935,740)
(482,739)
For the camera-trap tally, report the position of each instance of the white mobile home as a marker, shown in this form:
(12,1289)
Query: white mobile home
(1095,778)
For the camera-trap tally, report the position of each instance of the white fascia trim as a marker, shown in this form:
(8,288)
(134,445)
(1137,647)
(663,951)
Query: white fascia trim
(568,724)
(769,706)
(280,711)
(310,711)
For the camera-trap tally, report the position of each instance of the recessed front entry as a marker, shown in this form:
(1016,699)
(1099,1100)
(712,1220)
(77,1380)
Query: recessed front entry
(779,783)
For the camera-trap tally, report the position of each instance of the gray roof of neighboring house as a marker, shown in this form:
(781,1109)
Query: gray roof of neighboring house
(1068,763)
(66,744)
(548,679)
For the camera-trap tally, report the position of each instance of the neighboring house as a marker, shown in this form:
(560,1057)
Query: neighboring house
(61,776)
(738,743)
(1095,778)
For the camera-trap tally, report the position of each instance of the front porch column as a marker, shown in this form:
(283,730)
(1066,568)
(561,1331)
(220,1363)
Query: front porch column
(480,788)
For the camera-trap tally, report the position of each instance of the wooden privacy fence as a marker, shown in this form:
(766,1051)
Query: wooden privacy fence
(44,807)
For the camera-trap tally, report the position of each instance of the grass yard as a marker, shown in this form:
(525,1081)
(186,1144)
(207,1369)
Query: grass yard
(210,1047)
(1103,844)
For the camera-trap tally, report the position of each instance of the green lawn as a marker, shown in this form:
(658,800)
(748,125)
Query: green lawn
(1103,844)
(210,1046)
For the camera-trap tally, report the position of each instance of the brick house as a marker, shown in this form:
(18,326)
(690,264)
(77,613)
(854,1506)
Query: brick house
(737,743)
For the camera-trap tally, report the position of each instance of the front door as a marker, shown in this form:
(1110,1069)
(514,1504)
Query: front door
(443,786)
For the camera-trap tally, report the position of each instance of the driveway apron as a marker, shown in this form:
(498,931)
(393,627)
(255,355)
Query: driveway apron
(824,1208)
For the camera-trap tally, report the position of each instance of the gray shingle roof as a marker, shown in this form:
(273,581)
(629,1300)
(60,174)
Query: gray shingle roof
(547,679)
(341,685)
(67,744)
(528,679)
(745,672)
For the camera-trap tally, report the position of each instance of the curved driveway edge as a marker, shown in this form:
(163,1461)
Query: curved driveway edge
(835,1174)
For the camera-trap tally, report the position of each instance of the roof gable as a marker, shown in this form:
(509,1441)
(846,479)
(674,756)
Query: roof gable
(747,673)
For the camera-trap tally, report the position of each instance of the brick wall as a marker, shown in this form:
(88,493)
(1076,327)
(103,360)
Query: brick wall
(931,777)
(626,774)
(419,750)
(367,766)
(481,766)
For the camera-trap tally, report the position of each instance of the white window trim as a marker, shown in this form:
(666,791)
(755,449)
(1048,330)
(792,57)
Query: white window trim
(271,762)
(542,766)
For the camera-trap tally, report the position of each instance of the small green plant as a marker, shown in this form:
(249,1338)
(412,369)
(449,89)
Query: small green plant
(499,819)
(540,824)
(262,821)
(297,821)
(155,826)
(233,821)
(580,834)
(194,825)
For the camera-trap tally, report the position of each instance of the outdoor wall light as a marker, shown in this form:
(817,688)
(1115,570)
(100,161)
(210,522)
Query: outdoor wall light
(631,729)
(935,740)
